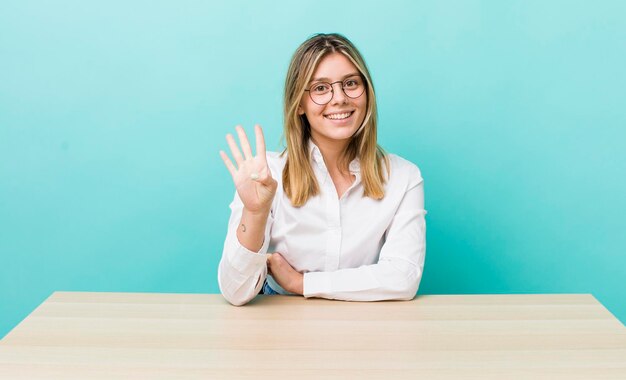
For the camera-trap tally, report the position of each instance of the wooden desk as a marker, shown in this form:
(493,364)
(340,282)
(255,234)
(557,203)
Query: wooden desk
(124,335)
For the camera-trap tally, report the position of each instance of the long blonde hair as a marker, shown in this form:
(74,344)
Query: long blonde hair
(299,182)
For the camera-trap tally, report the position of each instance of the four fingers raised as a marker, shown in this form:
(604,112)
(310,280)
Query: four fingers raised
(245,147)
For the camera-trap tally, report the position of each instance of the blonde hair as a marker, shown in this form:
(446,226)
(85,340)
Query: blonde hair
(299,182)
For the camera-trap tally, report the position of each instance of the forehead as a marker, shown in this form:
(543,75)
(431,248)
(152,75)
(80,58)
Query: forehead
(334,66)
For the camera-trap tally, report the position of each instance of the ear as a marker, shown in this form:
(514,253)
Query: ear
(300,111)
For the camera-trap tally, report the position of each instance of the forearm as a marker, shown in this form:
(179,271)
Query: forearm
(242,270)
(386,280)
(251,229)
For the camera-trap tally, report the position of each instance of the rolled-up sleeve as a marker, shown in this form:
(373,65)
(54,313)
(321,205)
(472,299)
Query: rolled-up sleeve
(241,272)
(398,272)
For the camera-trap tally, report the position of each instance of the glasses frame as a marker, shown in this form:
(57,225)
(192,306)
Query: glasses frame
(332,89)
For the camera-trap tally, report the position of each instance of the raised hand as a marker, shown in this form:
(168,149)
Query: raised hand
(252,177)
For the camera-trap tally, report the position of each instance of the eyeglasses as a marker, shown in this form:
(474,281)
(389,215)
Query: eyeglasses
(321,93)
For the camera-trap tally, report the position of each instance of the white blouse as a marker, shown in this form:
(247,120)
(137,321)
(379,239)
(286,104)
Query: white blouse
(352,248)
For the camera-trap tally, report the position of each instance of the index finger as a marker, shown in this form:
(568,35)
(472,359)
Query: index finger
(260,141)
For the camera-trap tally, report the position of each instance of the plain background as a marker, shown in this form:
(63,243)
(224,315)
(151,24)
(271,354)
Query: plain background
(112,114)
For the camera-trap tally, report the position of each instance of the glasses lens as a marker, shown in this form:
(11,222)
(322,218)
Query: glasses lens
(353,87)
(321,93)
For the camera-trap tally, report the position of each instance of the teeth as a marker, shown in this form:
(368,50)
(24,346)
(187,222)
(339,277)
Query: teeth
(339,116)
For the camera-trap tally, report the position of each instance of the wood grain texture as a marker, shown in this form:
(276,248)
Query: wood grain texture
(74,335)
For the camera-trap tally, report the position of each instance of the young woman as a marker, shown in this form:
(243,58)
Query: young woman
(333,215)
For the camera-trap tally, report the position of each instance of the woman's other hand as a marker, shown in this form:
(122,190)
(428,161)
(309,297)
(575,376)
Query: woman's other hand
(287,277)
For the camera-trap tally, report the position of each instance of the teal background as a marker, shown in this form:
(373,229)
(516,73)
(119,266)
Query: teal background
(112,115)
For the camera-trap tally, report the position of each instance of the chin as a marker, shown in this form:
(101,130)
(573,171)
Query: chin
(341,133)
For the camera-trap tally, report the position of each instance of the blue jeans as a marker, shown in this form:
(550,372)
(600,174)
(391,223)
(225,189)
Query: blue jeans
(267,290)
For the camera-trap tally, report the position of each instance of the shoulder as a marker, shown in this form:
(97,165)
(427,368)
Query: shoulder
(403,171)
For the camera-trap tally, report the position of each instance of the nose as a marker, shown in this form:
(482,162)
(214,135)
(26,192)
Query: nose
(339,97)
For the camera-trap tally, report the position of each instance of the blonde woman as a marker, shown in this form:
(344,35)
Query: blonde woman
(333,216)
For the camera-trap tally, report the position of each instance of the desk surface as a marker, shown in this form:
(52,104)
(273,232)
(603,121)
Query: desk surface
(144,335)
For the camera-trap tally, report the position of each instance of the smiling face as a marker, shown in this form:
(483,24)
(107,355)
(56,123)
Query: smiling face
(337,121)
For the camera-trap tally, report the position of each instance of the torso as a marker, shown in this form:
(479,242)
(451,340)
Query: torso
(338,228)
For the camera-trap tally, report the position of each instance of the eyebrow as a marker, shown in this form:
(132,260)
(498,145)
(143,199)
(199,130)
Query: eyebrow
(328,79)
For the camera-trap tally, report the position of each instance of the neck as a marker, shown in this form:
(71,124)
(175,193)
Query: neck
(332,151)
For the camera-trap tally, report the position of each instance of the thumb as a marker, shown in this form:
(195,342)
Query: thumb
(264,179)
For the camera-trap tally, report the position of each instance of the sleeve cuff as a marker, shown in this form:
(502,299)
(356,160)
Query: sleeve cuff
(246,261)
(316,284)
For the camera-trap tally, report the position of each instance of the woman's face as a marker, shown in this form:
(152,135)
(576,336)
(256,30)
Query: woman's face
(339,119)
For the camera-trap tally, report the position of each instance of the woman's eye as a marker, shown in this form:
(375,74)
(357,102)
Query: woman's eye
(320,88)
(351,83)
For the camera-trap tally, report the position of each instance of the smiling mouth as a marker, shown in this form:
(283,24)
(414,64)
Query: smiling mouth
(339,116)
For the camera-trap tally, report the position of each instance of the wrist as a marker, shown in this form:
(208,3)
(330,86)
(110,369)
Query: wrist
(260,211)
(298,286)
(257,214)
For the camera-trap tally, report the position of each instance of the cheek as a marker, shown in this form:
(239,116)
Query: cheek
(313,110)
(363,102)
(362,105)
(304,108)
